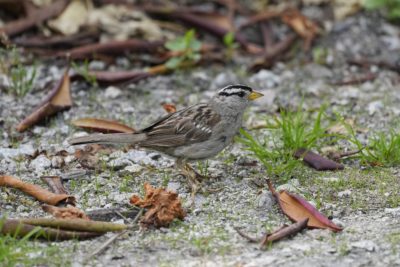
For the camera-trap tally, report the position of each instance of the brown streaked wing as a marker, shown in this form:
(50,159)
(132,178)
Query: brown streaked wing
(188,126)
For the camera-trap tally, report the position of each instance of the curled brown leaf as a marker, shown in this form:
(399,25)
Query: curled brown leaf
(103,126)
(163,206)
(58,99)
(36,191)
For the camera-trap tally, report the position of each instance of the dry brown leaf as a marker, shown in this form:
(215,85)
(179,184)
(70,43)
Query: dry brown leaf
(72,18)
(58,99)
(297,209)
(69,212)
(163,206)
(302,25)
(103,126)
(345,8)
(36,191)
(170,108)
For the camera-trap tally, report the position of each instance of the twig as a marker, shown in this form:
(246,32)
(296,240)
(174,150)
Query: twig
(356,80)
(114,237)
(249,238)
(284,232)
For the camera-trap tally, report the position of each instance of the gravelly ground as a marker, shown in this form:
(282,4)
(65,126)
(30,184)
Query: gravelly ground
(364,203)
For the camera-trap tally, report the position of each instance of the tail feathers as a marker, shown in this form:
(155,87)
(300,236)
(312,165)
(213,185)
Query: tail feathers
(119,138)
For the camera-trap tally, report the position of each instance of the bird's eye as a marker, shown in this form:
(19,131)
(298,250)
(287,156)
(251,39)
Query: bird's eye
(241,94)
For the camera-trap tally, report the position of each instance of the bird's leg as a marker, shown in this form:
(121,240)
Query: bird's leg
(193,177)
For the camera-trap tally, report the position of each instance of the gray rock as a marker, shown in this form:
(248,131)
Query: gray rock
(265,79)
(345,193)
(374,106)
(112,92)
(133,168)
(367,245)
(23,150)
(40,163)
(119,163)
(223,79)
(393,211)
(173,186)
(265,200)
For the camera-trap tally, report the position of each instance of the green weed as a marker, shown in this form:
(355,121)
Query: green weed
(85,72)
(391,7)
(289,132)
(20,78)
(187,49)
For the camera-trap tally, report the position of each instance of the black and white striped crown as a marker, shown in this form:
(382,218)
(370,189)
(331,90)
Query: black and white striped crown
(236,89)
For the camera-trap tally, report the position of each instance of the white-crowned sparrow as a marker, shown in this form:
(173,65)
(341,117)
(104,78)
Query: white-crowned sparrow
(198,132)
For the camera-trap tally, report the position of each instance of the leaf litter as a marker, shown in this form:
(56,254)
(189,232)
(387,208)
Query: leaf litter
(162,206)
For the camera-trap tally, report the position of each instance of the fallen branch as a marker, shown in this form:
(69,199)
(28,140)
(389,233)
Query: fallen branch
(34,18)
(316,161)
(356,80)
(17,228)
(112,48)
(36,191)
(75,224)
(284,232)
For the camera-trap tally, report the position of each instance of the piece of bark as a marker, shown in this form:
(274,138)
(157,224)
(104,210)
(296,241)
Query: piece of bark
(316,161)
(75,224)
(103,126)
(105,78)
(259,17)
(297,209)
(205,21)
(59,99)
(17,228)
(59,41)
(55,184)
(356,80)
(112,48)
(284,232)
(37,192)
(34,18)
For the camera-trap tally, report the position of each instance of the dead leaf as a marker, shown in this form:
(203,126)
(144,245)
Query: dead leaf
(316,161)
(58,99)
(69,212)
(298,209)
(72,18)
(163,206)
(302,25)
(345,8)
(103,126)
(36,191)
(170,108)
(120,22)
